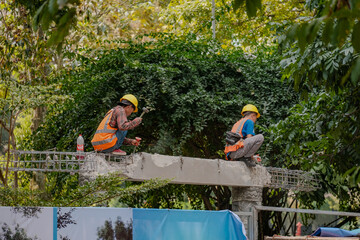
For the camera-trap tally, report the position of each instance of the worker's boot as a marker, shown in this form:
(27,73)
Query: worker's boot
(119,152)
(247,160)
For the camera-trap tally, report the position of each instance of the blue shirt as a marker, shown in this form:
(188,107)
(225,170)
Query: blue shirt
(248,128)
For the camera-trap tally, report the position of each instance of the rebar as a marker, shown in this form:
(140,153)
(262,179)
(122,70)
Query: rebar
(49,161)
(293,179)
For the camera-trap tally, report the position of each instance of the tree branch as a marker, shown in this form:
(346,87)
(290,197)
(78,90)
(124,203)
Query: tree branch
(4,126)
(2,178)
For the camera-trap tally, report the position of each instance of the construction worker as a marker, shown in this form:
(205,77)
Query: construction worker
(245,148)
(111,133)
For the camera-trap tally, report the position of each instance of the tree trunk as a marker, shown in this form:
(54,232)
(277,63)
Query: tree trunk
(39,114)
(14,158)
(2,178)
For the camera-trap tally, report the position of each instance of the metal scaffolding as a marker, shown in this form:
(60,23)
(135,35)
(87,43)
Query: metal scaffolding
(73,162)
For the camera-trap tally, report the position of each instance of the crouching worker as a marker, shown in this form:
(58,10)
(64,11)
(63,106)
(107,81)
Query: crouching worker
(111,133)
(242,143)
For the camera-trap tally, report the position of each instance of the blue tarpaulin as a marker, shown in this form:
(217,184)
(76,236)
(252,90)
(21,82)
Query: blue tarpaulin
(335,232)
(185,224)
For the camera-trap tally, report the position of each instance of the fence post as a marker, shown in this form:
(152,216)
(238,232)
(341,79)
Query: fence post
(255,223)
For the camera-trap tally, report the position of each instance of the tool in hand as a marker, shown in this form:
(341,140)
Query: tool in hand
(138,140)
(145,110)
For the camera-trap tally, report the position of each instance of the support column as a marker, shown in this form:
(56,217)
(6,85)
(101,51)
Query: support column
(243,200)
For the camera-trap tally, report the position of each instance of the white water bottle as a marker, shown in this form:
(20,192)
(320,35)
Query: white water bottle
(80,146)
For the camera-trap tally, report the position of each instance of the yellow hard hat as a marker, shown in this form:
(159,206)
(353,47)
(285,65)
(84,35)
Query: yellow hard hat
(250,108)
(131,98)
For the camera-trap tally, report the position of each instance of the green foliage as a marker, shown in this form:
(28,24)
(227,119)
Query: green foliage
(330,63)
(322,135)
(334,28)
(319,66)
(251,6)
(66,192)
(94,23)
(339,19)
(23,72)
(233,26)
(170,196)
(197,91)
(60,13)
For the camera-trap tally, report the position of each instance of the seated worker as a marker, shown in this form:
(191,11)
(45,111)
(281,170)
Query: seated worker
(111,133)
(249,143)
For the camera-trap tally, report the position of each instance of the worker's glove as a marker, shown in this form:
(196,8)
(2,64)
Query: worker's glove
(256,158)
(136,141)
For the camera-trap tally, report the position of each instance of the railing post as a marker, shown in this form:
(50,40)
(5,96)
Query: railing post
(255,223)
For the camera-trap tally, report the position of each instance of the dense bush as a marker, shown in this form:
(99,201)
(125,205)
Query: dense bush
(196,91)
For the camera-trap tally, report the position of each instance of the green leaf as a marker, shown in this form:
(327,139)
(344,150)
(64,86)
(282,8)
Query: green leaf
(53,7)
(312,30)
(291,34)
(257,4)
(354,4)
(302,33)
(355,39)
(335,33)
(342,31)
(328,29)
(38,15)
(355,74)
(251,8)
(237,4)
(345,77)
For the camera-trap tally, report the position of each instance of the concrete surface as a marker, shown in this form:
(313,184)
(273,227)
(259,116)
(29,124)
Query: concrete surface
(181,170)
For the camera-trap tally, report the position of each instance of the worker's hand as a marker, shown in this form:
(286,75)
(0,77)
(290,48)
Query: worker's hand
(136,142)
(256,158)
(139,119)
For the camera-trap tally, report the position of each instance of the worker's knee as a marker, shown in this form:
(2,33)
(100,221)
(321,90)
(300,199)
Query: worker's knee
(260,138)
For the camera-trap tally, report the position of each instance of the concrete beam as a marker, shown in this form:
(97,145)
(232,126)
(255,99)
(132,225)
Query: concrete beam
(182,170)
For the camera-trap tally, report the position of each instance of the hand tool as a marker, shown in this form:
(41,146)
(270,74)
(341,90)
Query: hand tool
(144,110)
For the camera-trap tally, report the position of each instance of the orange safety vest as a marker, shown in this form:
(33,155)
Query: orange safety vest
(237,128)
(105,136)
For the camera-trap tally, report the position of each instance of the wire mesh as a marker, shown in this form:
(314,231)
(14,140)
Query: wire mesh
(51,161)
(293,179)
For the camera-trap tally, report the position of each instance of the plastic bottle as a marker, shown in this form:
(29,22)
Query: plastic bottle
(80,146)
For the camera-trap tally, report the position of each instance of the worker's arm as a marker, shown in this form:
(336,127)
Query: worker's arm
(128,141)
(248,129)
(123,123)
